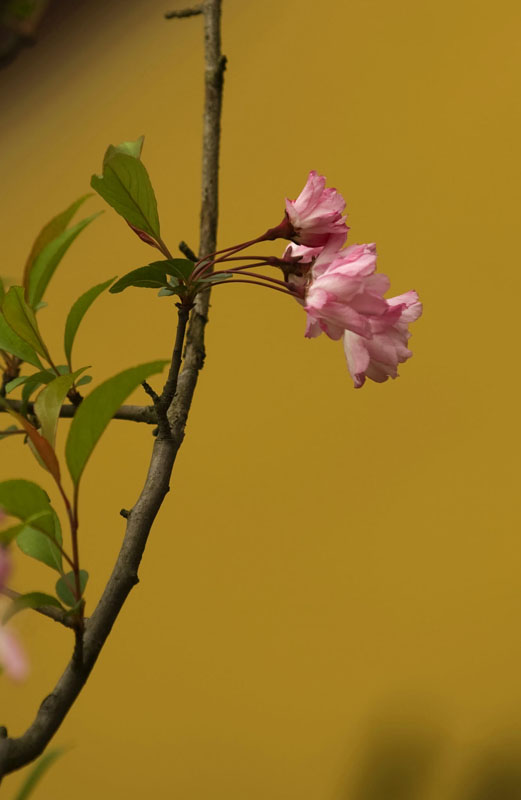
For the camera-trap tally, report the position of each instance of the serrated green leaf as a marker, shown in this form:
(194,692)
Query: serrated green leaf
(13,344)
(49,402)
(49,232)
(64,584)
(126,187)
(129,148)
(147,277)
(77,312)
(20,317)
(96,411)
(36,773)
(31,600)
(50,256)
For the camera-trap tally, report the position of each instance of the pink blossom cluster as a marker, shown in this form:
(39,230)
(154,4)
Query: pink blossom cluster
(12,657)
(342,293)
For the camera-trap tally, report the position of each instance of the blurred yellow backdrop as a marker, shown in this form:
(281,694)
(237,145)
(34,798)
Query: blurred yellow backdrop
(335,575)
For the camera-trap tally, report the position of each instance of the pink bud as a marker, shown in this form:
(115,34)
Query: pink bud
(145,237)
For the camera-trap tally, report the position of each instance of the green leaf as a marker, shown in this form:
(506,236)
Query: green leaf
(96,411)
(178,267)
(149,277)
(30,600)
(126,187)
(77,312)
(49,258)
(64,584)
(8,534)
(130,148)
(30,386)
(154,275)
(41,528)
(46,376)
(83,381)
(13,344)
(21,318)
(49,402)
(2,291)
(22,499)
(41,448)
(49,232)
(36,773)
(39,545)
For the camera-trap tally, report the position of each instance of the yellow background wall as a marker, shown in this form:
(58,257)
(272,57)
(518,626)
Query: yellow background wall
(333,584)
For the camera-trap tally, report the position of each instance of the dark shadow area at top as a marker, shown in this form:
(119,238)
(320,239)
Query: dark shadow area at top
(28,23)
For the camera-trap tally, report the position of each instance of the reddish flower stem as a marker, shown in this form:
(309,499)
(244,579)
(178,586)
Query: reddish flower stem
(257,283)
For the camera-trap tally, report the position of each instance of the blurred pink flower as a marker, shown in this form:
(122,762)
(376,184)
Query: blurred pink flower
(12,657)
(377,356)
(344,293)
(5,562)
(316,214)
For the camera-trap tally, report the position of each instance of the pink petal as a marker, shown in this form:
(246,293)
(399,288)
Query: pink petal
(12,657)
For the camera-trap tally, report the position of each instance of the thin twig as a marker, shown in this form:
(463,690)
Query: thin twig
(145,414)
(17,752)
(185,12)
(187,251)
(47,611)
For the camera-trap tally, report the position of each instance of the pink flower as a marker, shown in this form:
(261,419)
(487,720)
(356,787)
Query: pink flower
(305,255)
(5,563)
(377,356)
(316,214)
(344,293)
(12,657)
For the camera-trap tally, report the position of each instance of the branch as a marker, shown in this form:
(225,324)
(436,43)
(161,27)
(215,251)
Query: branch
(17,752)
(185,12)
(132,413)
(48,611)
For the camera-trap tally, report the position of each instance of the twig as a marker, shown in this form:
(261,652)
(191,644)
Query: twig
(12,432)
(145,414)
(151,393)
(17,752)
(187,251)
(185,12)
(47,611)
(170,386)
